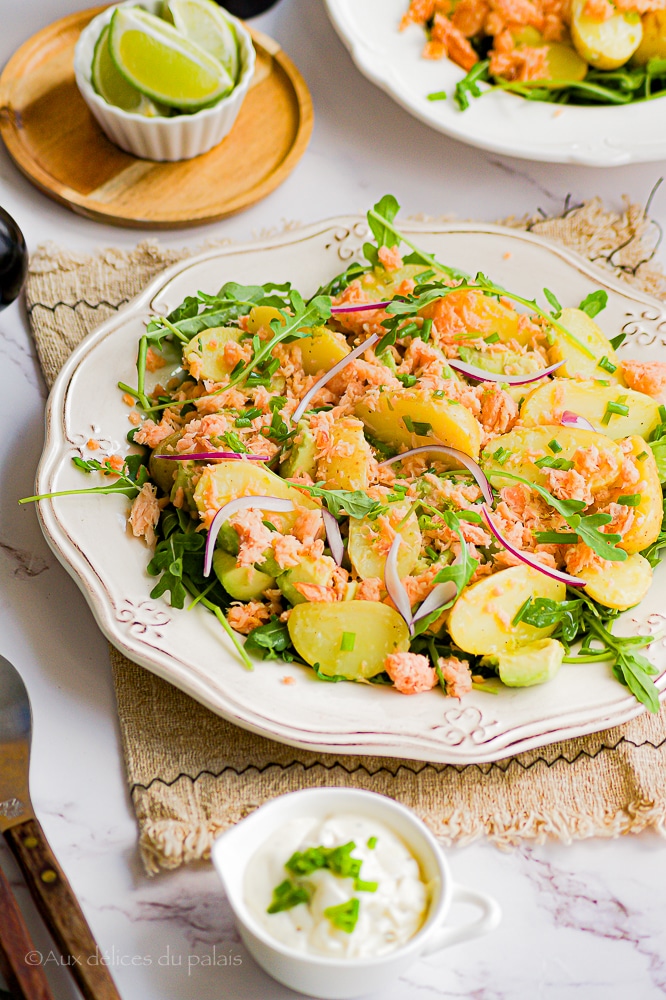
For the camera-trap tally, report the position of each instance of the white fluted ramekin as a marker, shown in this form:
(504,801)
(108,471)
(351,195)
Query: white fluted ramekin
(179,138)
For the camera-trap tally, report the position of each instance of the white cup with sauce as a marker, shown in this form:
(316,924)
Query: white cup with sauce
(343,978)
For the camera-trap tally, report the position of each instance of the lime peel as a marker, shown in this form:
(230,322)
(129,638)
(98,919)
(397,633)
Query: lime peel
(159,62)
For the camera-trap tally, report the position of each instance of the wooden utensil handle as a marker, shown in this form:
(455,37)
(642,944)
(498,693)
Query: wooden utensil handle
(61,912)
(17,952)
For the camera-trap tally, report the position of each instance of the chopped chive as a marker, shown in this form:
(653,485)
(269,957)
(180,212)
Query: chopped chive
(344,916)
(630,499)
(617,407)
(348,642)
(547,462)
(431,554)
(601,381)
(522,611)
(426,329)
(437,95)
(607,365)
(501,455)
(642,455)
(361,886)
(287,895)
(372,843)
(242,422)
(556,537)
(662,413)
(407,380)
(409,330)
(417,426)
(492,339)
(438,394)
(269,525)
(554,446)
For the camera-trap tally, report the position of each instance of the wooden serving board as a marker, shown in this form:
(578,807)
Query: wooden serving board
(53,138)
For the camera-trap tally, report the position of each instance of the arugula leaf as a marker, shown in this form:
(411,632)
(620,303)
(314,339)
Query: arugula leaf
(271,641)
(354,503)
(385,211)
(170,559)
(128,480)
(552,300)
(341,281)
(594,303)
(586,526)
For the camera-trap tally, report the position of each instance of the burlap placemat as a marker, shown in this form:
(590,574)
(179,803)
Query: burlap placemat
(191,774)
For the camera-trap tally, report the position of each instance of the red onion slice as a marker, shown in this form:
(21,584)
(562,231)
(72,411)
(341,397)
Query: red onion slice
(483,376)
(335,543)
(395,588)
(459,456)
(554,574)
(571,419)
(363,307)
(320,383)
(437,598)
(224,513)
(206,456)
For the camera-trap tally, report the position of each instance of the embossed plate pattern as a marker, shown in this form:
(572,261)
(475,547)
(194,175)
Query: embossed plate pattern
(89,536)
(532,130)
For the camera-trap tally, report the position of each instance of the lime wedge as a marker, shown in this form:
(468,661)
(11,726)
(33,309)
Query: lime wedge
(204,23)
(153,57)
(114,88)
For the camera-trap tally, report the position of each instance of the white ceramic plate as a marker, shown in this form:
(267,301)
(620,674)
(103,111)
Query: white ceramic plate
(89,535)
(504,123)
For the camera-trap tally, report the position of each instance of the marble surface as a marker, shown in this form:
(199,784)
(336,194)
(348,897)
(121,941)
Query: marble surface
(586,920)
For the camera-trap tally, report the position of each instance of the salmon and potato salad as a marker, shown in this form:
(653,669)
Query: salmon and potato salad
(414,478)
(563,51)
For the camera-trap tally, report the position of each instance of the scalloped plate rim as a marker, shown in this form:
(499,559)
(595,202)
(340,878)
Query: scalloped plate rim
(532,734)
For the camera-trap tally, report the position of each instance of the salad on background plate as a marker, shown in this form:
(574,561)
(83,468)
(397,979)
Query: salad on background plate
(414,478)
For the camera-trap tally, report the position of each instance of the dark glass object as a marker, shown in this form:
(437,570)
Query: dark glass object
(13,259)
(245,8)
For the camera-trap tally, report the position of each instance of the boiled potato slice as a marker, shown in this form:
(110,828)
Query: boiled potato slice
(605,44)
(367,559)
(442,421)
(260,318)
(322,349)
(227,480)
(204,355)
(653,43)
(346,462)
(621,587)
(647,523)
(481,619)
(316,630)
(564,64)
(383,284)
(578,363)
(526,445)
(478,313)
(590,400)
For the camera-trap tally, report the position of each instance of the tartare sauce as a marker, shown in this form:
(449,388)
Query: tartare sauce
(320,915)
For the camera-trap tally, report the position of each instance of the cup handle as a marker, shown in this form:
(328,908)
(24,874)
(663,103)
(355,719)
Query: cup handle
(490,917)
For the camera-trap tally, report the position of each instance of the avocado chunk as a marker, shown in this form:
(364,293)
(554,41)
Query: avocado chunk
(520,363)
(243,583)
(301,458)
(308,571)
(525,666)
